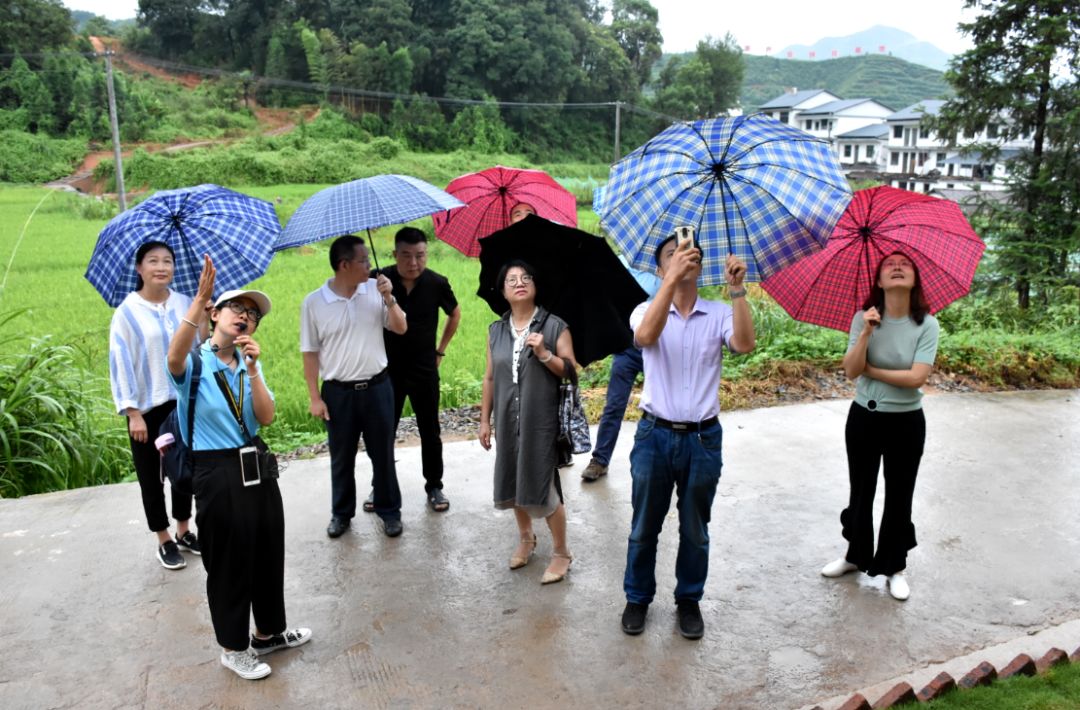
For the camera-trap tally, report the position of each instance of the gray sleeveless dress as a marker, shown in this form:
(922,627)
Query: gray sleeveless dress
(526,419)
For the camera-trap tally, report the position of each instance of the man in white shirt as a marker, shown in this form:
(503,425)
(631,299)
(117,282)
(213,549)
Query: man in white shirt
(341,340)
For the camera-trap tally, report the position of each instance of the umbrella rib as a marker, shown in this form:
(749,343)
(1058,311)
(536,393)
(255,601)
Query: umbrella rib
(705,142)
(776,200)
(749,243)
(788,168)
(778,139)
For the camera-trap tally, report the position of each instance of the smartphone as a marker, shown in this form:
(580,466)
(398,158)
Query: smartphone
(683,235)
(249,466)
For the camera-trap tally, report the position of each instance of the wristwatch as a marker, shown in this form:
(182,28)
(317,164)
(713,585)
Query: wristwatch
(736,292)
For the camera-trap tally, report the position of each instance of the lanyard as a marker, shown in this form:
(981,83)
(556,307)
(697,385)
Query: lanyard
(236,404)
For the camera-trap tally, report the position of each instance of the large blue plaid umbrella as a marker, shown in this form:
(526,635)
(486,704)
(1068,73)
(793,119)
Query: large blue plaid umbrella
(363,204)
(236,230)
(751,186)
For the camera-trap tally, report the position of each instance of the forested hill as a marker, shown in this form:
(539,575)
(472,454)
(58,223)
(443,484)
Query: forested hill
(890,80)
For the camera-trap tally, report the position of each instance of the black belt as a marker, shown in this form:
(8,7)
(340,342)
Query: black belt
(360,384)
(681,426)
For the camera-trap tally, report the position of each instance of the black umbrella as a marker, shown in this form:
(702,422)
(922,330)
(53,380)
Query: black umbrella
(578,278)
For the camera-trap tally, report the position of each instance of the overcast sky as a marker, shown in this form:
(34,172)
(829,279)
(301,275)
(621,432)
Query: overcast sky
(760,24)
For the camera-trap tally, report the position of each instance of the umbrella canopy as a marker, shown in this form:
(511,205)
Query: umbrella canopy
(828,287)
(490,194)
(598,199)
(579,279)
(750,185)
(362,204)
(236,230)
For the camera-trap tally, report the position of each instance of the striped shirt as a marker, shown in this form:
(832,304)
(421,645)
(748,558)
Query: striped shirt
(138,343)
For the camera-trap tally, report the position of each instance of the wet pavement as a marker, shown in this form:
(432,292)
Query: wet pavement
(89,619)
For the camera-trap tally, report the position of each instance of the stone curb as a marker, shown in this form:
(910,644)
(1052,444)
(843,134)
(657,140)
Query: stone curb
(982,674)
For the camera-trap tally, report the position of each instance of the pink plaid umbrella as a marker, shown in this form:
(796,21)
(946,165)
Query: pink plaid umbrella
(829,286)
(490,194)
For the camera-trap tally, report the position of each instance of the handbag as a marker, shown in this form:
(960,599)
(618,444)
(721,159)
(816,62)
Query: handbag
(176,464)
(573,435)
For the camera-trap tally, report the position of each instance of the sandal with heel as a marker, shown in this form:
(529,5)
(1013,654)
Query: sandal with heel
(518,561)
(552,577)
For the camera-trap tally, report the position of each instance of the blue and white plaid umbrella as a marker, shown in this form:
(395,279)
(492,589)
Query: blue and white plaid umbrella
(236,230)
(751,186)
(363,204)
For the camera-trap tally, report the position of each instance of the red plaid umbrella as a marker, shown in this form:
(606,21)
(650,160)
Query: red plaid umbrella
(828,287)
(490,194)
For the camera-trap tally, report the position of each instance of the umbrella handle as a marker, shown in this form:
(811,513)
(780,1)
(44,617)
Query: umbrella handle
(374,258)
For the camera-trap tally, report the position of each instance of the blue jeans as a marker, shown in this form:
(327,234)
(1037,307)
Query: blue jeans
(690,463)
(625,367)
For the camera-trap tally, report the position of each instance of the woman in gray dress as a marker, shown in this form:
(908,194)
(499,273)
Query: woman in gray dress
(528,349)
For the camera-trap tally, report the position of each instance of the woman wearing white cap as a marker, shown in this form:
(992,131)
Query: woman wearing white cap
(240,516)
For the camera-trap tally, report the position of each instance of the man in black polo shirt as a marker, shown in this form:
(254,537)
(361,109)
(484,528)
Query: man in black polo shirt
(414,357)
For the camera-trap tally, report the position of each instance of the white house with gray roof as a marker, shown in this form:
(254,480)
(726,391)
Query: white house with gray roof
(840,116)
(863,147)
(787,107)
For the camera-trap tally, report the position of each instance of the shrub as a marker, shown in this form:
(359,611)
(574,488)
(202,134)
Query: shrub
(28,157)
(52,436)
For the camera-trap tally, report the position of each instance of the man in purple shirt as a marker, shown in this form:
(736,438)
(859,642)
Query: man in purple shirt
(678,439)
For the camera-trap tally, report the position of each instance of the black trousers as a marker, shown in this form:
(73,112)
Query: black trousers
(242,535)
(148,469)
(895,438)
(368,413)
(422,389)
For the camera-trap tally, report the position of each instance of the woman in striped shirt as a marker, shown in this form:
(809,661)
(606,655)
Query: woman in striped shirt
(139,339)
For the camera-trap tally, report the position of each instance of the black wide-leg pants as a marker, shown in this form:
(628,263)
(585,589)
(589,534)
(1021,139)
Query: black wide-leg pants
(242,535)
(895,439)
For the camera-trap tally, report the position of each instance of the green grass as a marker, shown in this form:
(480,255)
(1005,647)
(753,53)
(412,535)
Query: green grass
(1057,689)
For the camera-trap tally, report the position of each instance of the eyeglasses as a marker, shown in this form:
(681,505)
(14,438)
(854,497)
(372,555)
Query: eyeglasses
(238,308)
(897,264)
(524,280)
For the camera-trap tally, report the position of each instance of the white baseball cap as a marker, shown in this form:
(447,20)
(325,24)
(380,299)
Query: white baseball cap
(262,301)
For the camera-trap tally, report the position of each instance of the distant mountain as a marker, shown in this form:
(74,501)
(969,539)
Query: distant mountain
(895,42)
(891,81)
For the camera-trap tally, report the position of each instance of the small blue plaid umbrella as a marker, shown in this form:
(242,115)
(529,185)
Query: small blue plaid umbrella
(363,204)
(750,185)
(236,230)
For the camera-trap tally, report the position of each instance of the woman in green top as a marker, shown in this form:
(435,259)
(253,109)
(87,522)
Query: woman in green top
(891,351)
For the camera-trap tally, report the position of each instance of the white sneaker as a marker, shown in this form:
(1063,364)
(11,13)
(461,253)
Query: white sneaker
(245,664)
(838,568)
(898,587)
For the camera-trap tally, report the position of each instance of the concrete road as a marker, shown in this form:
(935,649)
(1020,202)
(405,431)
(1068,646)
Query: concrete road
(89,619)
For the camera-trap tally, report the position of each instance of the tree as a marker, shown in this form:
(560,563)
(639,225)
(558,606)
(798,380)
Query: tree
(172,23)
(634,24)
(23,89)
(1022,77)
(33,25)
(705,85)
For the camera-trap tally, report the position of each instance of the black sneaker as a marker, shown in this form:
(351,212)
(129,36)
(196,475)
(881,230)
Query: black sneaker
(189,542)
(633,618)
(691,625)
(290,638)
(170,556)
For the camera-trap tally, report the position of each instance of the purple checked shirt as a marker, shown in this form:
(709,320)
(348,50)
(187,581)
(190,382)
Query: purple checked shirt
(682,369)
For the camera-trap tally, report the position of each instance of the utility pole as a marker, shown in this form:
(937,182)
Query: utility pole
(115,131)
(618,116)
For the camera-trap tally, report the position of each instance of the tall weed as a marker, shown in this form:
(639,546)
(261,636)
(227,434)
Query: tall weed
(52,434)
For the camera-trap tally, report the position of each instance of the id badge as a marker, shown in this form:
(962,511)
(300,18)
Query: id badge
(249,466)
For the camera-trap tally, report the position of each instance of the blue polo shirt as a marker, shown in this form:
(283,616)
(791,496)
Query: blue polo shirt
(215,425)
